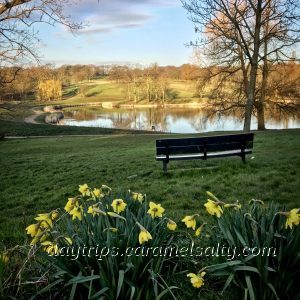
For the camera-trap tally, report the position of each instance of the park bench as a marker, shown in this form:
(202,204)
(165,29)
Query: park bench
(204,147)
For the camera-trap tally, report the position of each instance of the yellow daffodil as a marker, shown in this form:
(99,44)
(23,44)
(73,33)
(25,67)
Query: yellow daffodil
(95,210)
(190,221)
(213,208)
(33,229)
(197,279)
(137,197)
(84,190)
(72,202)
(44,217)
(171,225)
(48,217)
(199,229)
(77,212)
(292,218)
(155,210)
(144,236)
(97,193)
(50,247)
(4,258)
(41,236)
(118,205)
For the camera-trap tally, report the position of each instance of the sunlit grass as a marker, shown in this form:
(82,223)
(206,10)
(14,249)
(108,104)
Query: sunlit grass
(40,174)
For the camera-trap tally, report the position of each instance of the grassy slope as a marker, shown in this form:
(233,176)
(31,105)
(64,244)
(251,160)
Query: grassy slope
(100,90)
(103,90)
(38,175)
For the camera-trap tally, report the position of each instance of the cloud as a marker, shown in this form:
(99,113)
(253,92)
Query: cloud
(109,23)
(105,16)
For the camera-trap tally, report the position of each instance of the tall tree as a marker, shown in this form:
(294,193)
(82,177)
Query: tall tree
(241,36)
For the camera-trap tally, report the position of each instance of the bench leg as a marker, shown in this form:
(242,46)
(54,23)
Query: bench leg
(165,166)
(244,158)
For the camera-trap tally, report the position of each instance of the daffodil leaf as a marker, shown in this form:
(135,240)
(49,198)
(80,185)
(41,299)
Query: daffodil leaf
(228,281)
(273,290)
(81,279)
(250,288)
(101,292)
(120,282)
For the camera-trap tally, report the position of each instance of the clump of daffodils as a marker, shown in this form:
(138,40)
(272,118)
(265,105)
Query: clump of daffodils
(89,205)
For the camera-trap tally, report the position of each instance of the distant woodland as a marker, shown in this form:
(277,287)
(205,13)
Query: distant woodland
(44,83)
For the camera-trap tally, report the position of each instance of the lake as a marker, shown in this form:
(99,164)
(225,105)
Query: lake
(175,120)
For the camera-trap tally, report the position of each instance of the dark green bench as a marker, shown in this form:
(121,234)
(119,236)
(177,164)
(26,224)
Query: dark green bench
(204,147)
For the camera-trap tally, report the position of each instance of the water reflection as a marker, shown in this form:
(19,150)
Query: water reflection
(183,120)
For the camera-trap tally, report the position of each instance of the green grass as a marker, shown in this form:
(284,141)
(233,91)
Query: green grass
(38,175)
(183,89)
(100,90)
(103,90)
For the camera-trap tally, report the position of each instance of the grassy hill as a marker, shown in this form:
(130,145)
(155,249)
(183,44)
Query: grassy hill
(103,90)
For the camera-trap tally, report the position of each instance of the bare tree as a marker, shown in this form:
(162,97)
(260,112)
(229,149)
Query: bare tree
(18,38)
(242,36)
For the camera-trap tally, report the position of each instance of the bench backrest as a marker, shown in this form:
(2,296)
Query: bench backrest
(204,144)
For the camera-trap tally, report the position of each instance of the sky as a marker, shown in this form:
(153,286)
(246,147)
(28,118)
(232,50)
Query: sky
(121,31)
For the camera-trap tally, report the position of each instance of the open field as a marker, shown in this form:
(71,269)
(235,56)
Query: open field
(103,90)
(100,90)
(38,175)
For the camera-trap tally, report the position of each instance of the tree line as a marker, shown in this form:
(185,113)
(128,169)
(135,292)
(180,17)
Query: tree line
(153,83)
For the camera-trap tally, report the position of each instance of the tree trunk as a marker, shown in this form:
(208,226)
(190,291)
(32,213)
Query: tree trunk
(250,99)
(260,116)
(253,71)
(265,73)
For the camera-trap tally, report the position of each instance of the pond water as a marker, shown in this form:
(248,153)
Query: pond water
(183,120)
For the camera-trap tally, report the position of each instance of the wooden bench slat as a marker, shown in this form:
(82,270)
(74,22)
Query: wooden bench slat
(207,139)
(201,156)
(200,148)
